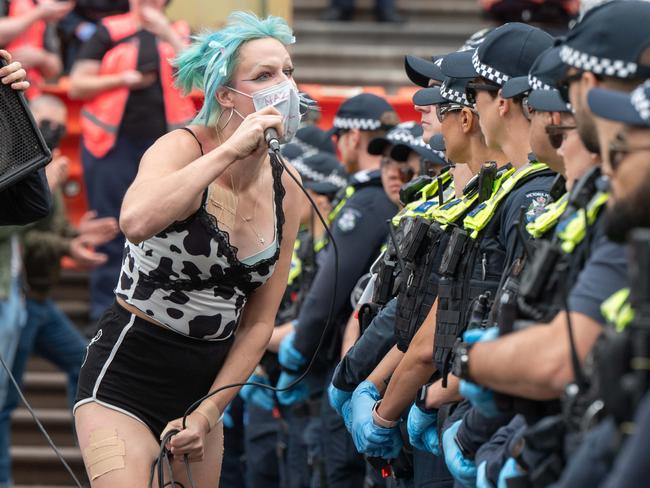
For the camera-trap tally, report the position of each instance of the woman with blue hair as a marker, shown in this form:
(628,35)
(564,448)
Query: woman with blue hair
(210,222)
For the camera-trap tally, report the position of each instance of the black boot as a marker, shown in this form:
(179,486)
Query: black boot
(335,14)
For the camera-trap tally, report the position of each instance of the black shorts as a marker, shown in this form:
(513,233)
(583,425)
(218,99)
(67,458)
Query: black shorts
(145,371)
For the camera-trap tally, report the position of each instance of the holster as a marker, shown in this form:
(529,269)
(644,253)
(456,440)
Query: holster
(367,313)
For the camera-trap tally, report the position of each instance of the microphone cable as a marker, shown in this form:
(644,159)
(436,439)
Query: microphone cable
(271,139)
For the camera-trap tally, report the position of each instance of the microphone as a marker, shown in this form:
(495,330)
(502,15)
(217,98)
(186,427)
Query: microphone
(271,137)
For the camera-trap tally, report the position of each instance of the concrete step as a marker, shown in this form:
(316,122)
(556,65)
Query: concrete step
(356,57)
(412,10)
(46,389)
(339,34)
(57,422)
(35,465)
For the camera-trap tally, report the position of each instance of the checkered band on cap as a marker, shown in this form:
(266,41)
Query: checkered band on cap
(307,172)
(363,124)
(307,148)
(438,62)
(453,95)
(405,137)
(537,84)
(488,72)
(601,66)
(640,101)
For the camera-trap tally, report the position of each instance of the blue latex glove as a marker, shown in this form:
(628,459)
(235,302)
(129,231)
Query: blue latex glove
(369,438)
(482,480)
(431,441)
(297,394)
(288,356)
(260,397)
(228,422)
(509,470)
(337,398)
(418,422)
(464,470)
(346,413)
(480,397)
(481,335)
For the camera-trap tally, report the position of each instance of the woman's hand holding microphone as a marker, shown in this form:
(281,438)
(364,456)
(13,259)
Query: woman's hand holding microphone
(249,136)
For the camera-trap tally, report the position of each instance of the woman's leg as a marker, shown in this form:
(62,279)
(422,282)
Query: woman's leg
(206,473)
(117,450)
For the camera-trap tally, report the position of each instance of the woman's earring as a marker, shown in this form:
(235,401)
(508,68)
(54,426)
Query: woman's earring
(232,111)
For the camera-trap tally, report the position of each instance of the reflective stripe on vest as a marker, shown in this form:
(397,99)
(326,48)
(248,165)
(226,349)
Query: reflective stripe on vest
(33,36)
(478,218)
(424,207)
(348,192)
(549,218)
(101,117)
(296,264)
(617,309)
(572,231)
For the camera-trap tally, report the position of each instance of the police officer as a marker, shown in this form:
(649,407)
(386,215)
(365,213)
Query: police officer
(625,392)
(358,233)
(267,432)
(541,372)
(505,129)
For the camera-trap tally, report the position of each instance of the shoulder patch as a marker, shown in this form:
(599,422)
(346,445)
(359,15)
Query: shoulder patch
(348,220)
(538,202)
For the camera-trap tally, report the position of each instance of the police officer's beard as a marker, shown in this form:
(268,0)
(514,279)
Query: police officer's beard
(587,131)
(625,215)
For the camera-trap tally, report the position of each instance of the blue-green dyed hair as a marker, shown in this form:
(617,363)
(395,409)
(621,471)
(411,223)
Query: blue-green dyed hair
(210,61)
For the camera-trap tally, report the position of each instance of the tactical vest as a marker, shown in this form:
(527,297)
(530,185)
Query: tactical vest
(469,270)
(536,289)
(557,263)
(409,227)
(420,287)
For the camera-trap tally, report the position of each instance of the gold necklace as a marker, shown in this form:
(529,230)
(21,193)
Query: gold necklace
(249,220)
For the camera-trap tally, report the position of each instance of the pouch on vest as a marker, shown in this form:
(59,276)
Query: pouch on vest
(419,288)
(454,251)
(414,239)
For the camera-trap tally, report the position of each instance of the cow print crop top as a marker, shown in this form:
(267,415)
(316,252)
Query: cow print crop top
(188,277)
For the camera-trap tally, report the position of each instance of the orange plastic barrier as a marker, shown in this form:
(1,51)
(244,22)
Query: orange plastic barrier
(328,97)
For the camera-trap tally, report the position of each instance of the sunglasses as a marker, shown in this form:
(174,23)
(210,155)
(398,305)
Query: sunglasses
(406,173)
(441,110)
(619,150)
(472,89)
(557,134)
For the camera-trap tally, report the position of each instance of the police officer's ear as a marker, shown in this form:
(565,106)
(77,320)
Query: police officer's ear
(468,120)
(505,105)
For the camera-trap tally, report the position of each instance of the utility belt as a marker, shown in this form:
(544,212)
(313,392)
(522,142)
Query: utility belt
(420,284)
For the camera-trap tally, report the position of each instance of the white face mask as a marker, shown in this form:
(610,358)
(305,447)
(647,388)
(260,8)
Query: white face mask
(284,97)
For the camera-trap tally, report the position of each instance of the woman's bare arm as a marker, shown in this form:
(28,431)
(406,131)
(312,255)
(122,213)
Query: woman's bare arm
(168,188)
(350,334)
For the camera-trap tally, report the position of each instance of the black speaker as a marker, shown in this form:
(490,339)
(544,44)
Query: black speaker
(22,148)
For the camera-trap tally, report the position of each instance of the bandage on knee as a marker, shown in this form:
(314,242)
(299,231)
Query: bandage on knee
(105,453)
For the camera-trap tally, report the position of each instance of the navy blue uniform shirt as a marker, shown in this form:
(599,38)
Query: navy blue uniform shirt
(360,229)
